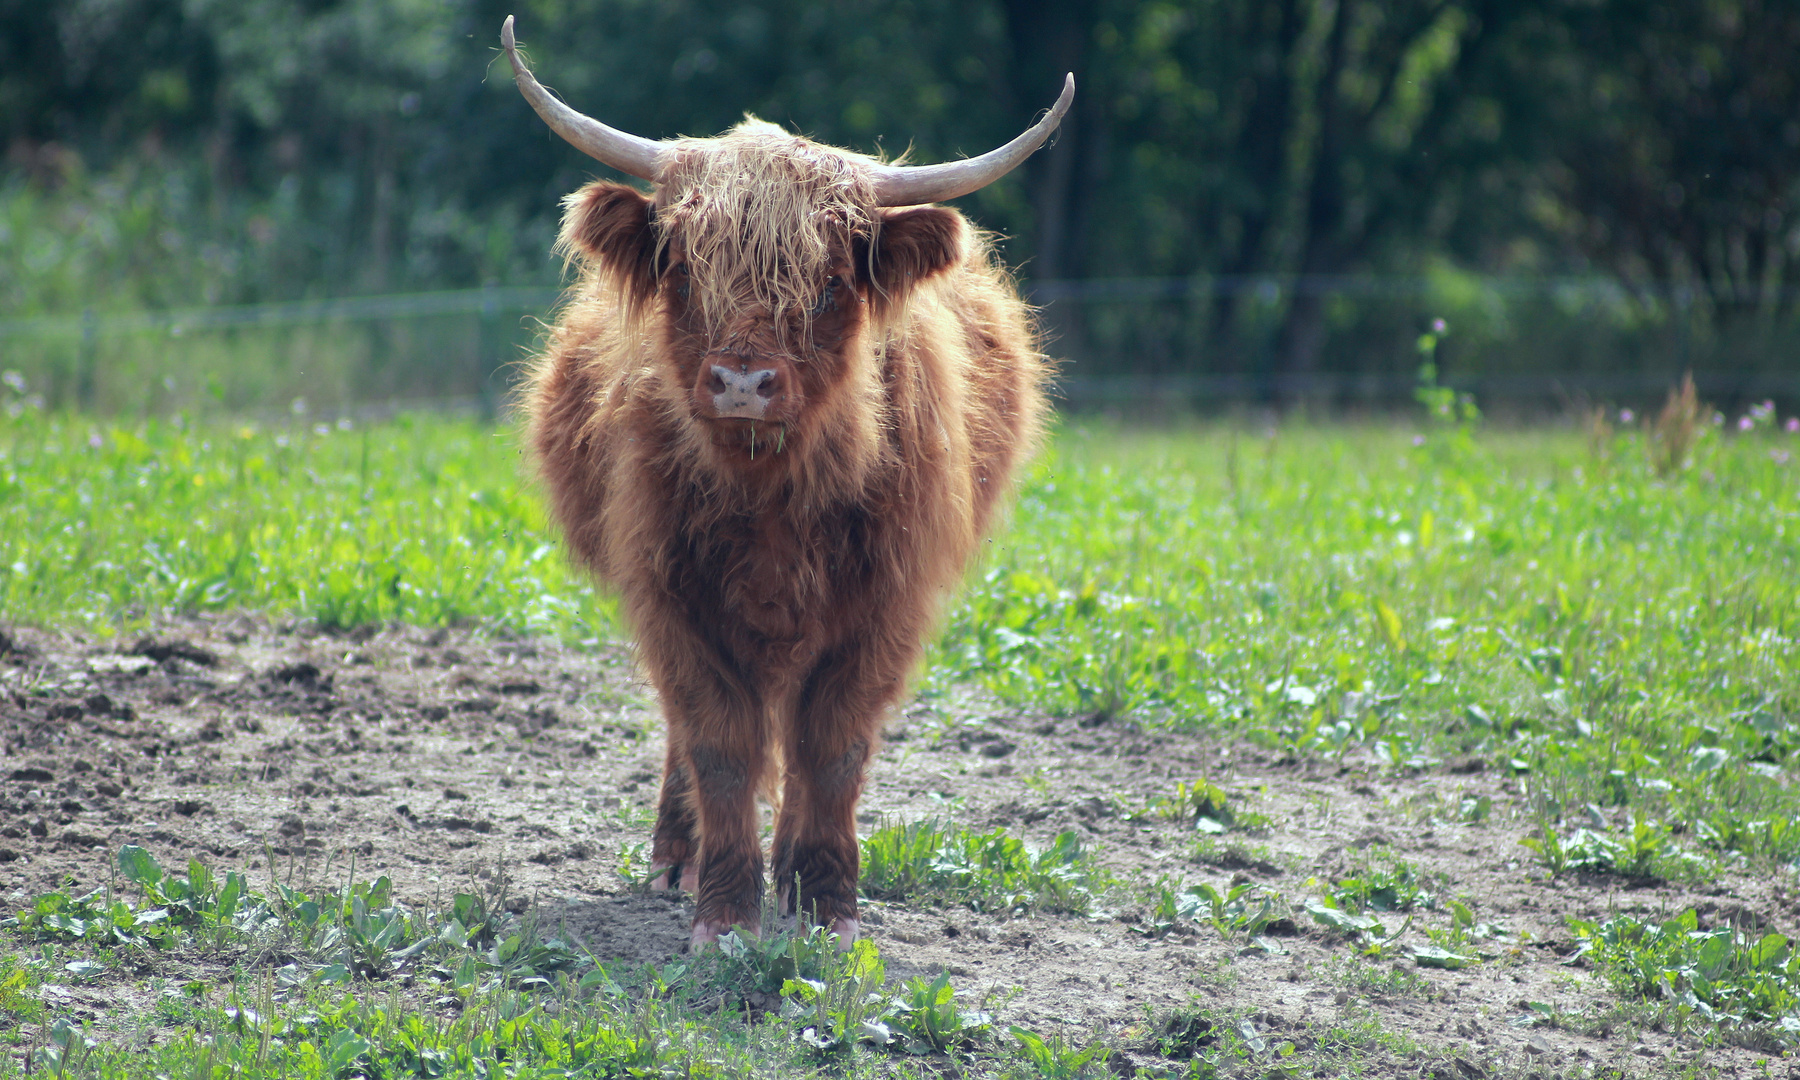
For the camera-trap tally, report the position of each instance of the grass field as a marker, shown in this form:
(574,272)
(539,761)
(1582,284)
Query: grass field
(1608,615)
(1534,594)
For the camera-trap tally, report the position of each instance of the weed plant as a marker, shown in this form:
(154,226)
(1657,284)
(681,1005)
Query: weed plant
(1203,805)
(1462,942)
(1055,1058)
(1643,851)
(1239,911)
(1380,880)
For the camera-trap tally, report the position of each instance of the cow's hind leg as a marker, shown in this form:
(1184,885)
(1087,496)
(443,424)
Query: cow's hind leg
(827,748)
(675,843)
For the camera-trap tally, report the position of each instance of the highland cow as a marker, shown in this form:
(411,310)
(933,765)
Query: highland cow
(777,415)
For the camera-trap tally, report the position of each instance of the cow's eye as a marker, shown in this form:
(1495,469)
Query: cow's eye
(827,298)
(679,272)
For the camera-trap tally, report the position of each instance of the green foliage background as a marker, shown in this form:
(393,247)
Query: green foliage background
(1456,158)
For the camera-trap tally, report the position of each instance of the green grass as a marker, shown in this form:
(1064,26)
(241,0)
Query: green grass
(1618,637)
(422,519)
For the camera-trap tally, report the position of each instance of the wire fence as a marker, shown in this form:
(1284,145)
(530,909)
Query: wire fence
(1538,342)
(178,321)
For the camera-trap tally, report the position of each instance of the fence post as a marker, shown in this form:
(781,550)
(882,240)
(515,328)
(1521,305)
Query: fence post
(487,348)
(88,360)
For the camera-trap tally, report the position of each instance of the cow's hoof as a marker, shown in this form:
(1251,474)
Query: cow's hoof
(706,934)
(845,931)
(676,876)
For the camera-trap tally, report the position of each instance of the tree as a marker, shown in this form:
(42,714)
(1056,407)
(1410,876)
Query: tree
(1678,150)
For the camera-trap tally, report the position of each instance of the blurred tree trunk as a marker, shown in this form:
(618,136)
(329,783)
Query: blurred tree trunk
(1690,180)
(382,154)
(1050,39)
(1391,79)
(1264,146)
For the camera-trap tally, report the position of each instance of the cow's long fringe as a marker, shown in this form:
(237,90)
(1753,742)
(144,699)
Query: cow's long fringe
(758,212)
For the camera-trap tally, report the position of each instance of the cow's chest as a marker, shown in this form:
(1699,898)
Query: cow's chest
(779,577)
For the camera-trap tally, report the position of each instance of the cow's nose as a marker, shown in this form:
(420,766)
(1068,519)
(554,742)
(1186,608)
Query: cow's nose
(742,391)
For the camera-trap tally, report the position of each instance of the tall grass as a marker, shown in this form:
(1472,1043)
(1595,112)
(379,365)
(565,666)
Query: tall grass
(421,519)
(1288,580)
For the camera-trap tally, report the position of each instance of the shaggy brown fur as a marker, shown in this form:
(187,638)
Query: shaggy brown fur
(781,573)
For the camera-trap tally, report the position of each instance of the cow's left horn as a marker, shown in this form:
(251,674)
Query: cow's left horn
(909,185)
(640,157)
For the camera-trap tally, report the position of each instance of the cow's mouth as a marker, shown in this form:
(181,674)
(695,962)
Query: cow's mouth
(754,440)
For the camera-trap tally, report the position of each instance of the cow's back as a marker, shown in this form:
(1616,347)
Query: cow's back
(576,404)
(987,380)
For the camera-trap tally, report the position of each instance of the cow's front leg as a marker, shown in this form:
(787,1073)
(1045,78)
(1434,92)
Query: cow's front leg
(718,738)
(817,860)
(726,768)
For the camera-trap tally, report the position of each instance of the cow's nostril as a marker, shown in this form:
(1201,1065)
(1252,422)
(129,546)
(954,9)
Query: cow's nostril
(768,385)
(714,384)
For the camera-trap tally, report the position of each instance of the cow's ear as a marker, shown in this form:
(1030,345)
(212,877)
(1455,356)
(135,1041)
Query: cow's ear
(914,244)
(609,224)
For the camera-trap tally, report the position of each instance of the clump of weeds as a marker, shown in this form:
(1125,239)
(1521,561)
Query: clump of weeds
(1380,880)
(1243,909)
(1645,851)
(1678,428)
(1746,983)
(1203,806)
(937,861)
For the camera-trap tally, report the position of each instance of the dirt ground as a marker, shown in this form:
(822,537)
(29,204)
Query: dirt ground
(463,760)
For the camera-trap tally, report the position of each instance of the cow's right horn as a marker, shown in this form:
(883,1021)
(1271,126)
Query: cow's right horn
(632,154)
(910,185)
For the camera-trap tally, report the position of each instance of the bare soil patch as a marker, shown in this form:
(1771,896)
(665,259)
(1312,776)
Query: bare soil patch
(464,760)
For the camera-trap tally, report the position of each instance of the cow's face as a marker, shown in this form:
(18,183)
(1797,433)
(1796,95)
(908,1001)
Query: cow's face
(760,377)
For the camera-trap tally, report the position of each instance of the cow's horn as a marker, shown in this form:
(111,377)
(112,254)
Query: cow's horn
(631,154)
(909,185)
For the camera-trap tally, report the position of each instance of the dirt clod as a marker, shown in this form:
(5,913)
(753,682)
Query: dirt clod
(302,672)
(174,648)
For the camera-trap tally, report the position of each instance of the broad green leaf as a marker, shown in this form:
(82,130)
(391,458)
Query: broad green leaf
(1433,957)
(139,865)
(1770,951)
(1341,920)
(1389,622)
